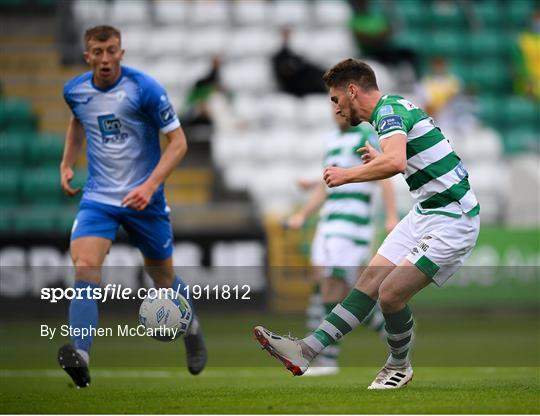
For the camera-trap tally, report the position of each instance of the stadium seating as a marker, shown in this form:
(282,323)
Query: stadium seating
(177,48)
(16,115)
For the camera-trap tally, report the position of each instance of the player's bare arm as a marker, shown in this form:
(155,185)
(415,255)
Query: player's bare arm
(140,197)
(315,201)
(72,146)
(389,201)
(378,165)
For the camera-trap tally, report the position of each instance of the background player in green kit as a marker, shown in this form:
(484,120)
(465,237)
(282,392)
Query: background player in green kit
(428,245)
(344,233)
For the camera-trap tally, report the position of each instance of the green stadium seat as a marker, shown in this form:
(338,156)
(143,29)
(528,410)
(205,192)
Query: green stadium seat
(16,115)
(12,149)
(488,13)
(414,39)
(491,76)
(522,110)
(446,15)
(9,185)
(5,221)
(446,44)
(36,219)
(41,186)
(414,12)
(489,109)
(45,149)
(486,44)
(65,218)
(518,13)
(521,141)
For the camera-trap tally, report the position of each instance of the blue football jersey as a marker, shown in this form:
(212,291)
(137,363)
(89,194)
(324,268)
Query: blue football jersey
(122,125)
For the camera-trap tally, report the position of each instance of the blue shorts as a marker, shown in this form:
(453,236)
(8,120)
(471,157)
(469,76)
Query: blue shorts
(150,230)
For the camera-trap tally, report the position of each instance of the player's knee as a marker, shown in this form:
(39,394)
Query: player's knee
(87,269)
(369,281)
(390,299)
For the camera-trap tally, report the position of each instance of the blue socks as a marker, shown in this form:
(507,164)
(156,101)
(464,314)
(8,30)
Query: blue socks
(83,313)
(177,282)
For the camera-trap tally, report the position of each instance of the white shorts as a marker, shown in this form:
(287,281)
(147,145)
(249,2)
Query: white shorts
(436,244)
(339,256)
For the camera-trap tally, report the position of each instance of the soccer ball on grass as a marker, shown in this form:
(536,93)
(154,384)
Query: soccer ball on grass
(167,316)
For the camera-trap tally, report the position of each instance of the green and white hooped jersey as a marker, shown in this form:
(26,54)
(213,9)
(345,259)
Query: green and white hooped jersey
(347,210)
(437,178)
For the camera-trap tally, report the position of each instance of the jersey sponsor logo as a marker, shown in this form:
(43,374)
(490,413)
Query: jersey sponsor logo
(110,127)
(390,122)
(460,170)
(386,110)
(167,114)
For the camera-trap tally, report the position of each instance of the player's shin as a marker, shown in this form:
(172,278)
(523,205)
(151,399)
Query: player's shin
(344,317)
(330,354)
(399,328)
(83,318)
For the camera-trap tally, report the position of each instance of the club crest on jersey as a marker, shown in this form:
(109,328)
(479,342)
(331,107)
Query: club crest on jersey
(390,122)
(120,95)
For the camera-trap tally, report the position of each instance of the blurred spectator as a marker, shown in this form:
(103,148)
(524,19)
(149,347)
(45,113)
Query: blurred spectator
(373,32)
(437,89)
(294,74)
(527,59)
(198,112)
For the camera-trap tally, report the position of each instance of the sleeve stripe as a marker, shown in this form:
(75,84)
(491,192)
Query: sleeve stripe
(391,133)
(171,126)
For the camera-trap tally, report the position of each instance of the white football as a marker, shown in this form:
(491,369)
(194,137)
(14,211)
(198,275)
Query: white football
(166,317)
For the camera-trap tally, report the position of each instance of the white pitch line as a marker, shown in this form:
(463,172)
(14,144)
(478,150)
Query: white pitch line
(119,373)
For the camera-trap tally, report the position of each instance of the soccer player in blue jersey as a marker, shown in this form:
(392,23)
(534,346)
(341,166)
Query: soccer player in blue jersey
(120,111)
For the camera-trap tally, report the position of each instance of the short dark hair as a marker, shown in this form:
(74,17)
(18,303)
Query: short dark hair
(351,70)
(101,34)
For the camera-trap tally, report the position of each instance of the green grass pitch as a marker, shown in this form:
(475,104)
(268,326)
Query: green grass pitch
(469,364)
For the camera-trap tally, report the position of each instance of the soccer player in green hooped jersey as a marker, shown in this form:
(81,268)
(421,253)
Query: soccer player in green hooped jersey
(427,246)
(342,241)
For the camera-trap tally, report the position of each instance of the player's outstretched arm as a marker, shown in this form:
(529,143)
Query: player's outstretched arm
(314,202)
(140,197)
(389,200)
(72,147)
(377,165)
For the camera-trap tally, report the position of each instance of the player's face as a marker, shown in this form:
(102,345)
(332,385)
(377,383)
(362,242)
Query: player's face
(104,58)
(343,105)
